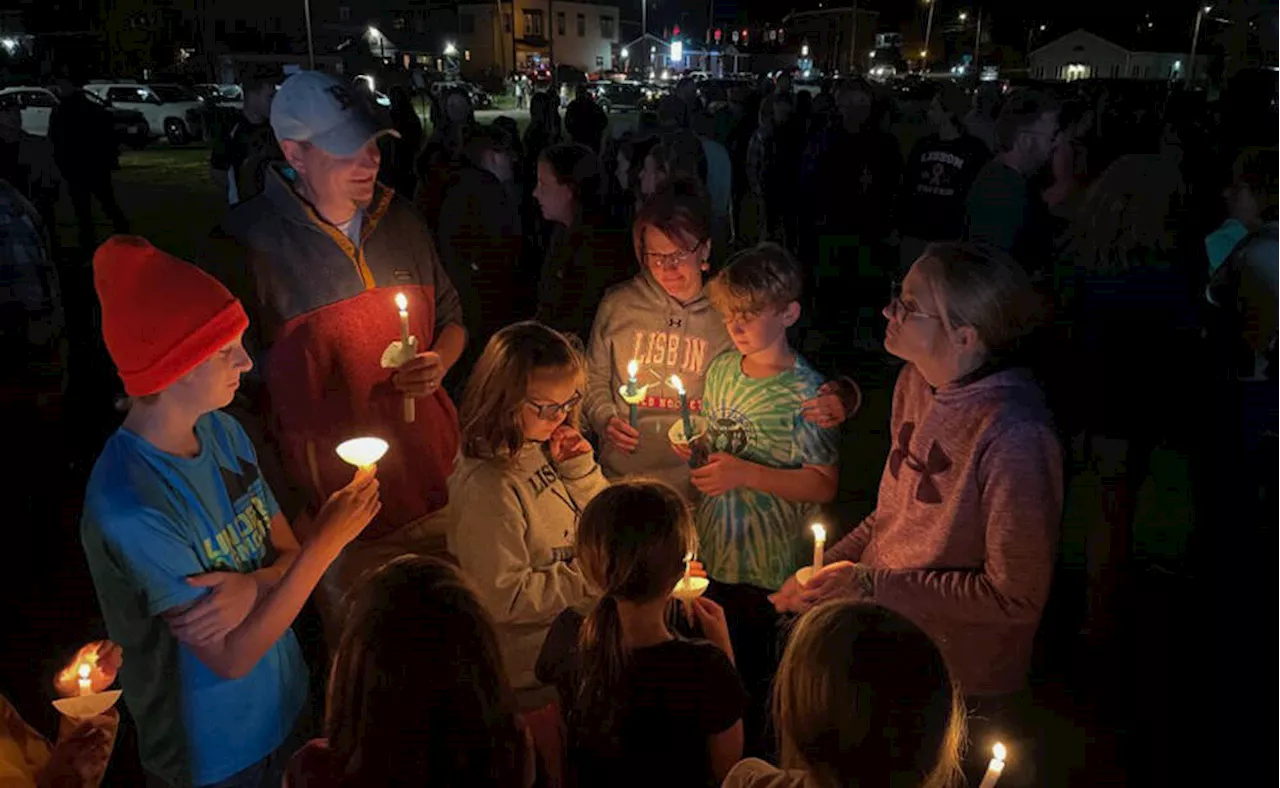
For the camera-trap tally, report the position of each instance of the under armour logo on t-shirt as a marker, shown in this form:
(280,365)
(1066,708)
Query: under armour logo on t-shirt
(937,463)
(675,322)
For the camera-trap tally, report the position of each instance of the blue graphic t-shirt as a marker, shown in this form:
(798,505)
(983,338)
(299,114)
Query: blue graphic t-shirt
(745,535)
(151,520)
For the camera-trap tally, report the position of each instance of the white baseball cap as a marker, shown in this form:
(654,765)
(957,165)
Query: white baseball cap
(313,107)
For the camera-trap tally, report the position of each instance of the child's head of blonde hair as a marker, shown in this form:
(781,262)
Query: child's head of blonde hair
(764,278)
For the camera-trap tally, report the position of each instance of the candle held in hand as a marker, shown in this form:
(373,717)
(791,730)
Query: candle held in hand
(995,767)
(362,452)
(86,687)
(819,539)
(678,385)
(402,304)
(632,368)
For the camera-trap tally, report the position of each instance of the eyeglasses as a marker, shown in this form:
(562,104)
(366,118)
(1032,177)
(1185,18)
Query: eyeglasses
(900,310)
(552,411)
(670,260)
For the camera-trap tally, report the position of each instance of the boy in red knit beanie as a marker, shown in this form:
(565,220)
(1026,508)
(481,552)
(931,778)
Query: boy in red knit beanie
(198,573)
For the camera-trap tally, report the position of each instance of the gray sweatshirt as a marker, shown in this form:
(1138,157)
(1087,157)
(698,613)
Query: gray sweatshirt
(637,319)
(514,539)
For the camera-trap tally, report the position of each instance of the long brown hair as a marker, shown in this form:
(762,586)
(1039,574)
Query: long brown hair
(863,697)
(1131,212)
(499,385)
(418,695)
(631,543)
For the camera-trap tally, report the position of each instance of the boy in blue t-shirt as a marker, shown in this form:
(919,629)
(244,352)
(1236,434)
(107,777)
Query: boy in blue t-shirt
(771,469)
(198,573)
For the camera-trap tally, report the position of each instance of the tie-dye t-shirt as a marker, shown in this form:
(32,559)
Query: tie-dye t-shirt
(745,535)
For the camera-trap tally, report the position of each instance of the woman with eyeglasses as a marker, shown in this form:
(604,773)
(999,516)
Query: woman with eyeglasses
(523,479)
(663,320)
(963,537)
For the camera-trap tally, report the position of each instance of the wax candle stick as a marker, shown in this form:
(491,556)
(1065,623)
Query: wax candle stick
(688,567)
(995,767)
(632,368)
(678,385)
(402,304)
(86,687)
(819,539)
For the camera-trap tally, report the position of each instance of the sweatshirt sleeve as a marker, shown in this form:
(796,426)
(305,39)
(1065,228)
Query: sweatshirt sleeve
(851,546)
(598,405)
(490,546)
(582,478)
(1021,487)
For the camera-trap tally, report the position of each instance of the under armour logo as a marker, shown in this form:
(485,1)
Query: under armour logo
(341,95)
(675,322)
(937,463)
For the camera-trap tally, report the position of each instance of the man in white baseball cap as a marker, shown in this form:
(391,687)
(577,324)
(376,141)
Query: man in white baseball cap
(318,259)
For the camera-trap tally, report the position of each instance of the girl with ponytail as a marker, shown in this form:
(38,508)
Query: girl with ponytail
(644,705)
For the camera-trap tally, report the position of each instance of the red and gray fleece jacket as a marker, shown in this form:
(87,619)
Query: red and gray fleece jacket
(322,311)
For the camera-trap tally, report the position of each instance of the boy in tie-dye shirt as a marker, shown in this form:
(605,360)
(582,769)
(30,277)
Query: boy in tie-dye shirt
(770,469)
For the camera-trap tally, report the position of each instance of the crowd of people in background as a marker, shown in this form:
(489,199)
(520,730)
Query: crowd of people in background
(597,389)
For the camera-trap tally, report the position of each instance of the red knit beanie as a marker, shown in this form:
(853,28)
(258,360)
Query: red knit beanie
(161,316)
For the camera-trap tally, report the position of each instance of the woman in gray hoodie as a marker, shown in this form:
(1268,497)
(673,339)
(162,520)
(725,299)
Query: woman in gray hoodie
(662,319)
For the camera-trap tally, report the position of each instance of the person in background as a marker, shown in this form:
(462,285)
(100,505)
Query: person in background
(584,120)
(630,686)
(1250,202)
(980,120)
(863,697)
(780,170)
(676,153)
(544,129)
(198,573)
(770,468)
(963,536)
(1129,298)
(1004,208)
(1070,163)
(937,177)
(320,258)
(246,150)
(27,163)
(480,240)
(406,147)
(587,254)
(32,314)
(79,757)
(417,694)
(525,475)
(676,113)
(86,151)
(439,159)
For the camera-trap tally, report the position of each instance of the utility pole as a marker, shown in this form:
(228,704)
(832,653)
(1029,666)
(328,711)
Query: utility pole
(644,18)
(977,47)
(311,47)
(1195,41)
(928,33)
(853,41)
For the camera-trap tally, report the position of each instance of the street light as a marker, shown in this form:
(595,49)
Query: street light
(964,15)
(449,49)
(804,50)
(625,54)
(1195,40)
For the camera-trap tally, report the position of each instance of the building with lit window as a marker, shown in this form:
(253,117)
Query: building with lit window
(1084,55)
(533,33)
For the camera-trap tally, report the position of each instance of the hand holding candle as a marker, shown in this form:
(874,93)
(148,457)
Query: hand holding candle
(362,452)
(406,344)
(678,385)
(995,767)
(83,683)
(632,394)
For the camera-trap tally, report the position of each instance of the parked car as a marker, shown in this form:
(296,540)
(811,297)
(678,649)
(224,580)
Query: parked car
(37,104)
(171,111)
(479,98)
(620,96)
(225,95)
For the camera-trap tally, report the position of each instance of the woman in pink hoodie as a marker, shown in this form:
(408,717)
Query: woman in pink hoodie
(963,537)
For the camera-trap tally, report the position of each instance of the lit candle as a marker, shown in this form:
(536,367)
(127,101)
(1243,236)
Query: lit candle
(633,395)
(402,304)
(994,767)
(86,687)
(632,368)
(819,539)
(688,567)
(362,452)
(678,385)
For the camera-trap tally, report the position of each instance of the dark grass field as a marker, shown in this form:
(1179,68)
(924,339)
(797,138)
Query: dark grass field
(1105,719)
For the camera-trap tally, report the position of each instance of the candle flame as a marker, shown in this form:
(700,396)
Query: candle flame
(999,752)
(677,384)
(83,670)
(362,451)
(819,533)
(402,303)
(632,368)
(688,556)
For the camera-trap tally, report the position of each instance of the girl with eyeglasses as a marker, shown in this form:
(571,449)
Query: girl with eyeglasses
(663,320)
(523,479)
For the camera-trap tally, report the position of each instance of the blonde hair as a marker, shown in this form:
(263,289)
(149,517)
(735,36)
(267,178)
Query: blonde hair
(631,543)
(982,288)
(499,386)
(863,697)
(1132,210)
(765,276)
